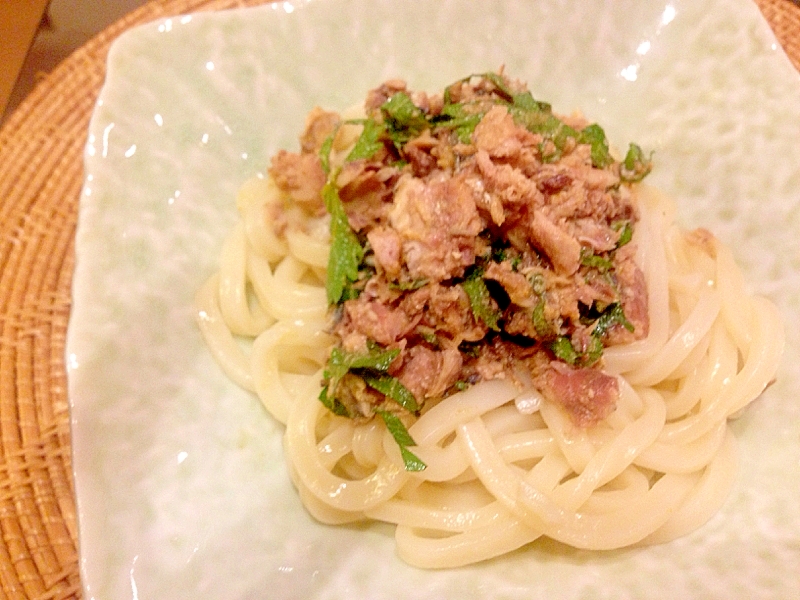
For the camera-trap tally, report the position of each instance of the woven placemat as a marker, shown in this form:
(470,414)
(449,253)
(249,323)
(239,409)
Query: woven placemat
(41,175)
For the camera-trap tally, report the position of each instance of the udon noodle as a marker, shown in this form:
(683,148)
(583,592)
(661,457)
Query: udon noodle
(503,466)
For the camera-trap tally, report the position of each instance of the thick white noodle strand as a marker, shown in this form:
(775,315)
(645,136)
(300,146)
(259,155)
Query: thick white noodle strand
(242,317)
(269,349)
(257,199)
(218,336)
(649,237)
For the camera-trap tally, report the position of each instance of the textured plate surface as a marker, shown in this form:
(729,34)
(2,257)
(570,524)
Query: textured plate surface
(182,488)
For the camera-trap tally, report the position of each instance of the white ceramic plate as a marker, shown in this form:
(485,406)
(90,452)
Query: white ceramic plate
(182,488)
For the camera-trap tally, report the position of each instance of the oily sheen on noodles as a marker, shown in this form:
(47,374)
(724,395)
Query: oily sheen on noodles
(502,465)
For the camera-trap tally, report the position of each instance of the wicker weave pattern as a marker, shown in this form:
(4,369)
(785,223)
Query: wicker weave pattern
(41,174)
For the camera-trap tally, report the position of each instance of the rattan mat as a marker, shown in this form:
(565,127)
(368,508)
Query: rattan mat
(41,174)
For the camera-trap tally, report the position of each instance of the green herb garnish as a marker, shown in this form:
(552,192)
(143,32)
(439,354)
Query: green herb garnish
(480,300)
(332,404)
(371,367)
(540,324)
(612,315)
(525,101)
(457,118)
(404,120)
(404,440)
(595,261)
(405,286)
(635,166)
(564,350)
(595,136)
(325,151)
(376,359)
(626,233)
(346,252)
(593,352)
(392,388)
(369,141)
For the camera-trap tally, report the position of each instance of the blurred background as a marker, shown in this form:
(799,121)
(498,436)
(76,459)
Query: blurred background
(36,35)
